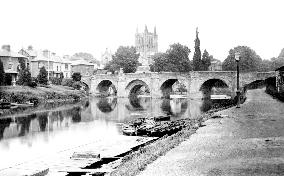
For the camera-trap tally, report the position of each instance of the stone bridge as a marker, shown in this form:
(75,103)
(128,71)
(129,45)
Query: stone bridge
(158,83)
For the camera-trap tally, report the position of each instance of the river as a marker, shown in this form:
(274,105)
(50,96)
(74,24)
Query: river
(43,133)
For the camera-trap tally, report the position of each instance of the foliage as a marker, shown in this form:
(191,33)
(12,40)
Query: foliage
(32,84)
(76,76)
(24,77)
(77,85)
(249,60)
(2,74)
(42,76)
(125,57)
(265,66)
(277,62)
(22,65)
(206,61)
(67,82)
(86,56)
(197,62)
(55,80)
(174,60)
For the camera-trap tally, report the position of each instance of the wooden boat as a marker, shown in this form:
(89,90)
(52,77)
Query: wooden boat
(85,155)
(129,130)
(219,97)
(28,104)
(162,118)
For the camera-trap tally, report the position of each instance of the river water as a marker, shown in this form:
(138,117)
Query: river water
(42,133)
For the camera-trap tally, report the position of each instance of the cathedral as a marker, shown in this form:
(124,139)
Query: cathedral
(146,44)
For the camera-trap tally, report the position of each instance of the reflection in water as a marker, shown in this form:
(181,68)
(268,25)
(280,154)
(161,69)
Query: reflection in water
(107,104)
(174,107)
(51,131)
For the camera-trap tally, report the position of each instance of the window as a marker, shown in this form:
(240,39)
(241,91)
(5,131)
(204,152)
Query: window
(66,75)
(66,66)
(57,68)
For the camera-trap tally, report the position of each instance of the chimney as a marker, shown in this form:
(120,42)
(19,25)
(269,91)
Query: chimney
(45,53)
(30,47)
(6,47)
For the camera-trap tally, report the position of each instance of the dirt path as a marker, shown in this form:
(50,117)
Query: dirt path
(250,141)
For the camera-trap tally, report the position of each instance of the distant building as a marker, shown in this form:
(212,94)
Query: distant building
(30,53)
(105,58)
(146,44)
(216,65)
(54,64)
(11,62)
(83,67)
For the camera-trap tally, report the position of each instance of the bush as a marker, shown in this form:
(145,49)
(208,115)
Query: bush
(24,77)
(56,81)
(32,84)
(76,76)
(42,76)
(2,74)
(77,85)
(67,82)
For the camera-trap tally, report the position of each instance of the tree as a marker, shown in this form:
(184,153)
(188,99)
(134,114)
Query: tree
(197,63)
(86,56)
(249,60)
(76,76)
(42,76)
(174,60)
(265,66)
(2,74)
(24,77)
(125,57)
(206,61)
(277,62)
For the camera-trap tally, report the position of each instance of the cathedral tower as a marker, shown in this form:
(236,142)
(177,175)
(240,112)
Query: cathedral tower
(146,44)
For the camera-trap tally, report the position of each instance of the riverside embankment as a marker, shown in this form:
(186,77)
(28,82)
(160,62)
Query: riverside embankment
(247,141)
(42,97)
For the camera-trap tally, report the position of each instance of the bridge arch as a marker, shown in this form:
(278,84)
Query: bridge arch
(134,86)
(106,87)
(167,86)
(218,84)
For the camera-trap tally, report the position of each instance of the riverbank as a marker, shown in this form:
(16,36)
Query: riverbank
(137,161)
(246,141)
(52,94)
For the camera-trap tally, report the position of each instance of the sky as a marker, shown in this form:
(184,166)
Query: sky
(70,26)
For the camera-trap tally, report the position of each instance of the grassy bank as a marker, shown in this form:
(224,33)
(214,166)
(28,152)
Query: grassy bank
(38,95)
(52,93)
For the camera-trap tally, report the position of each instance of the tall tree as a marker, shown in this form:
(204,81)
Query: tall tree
(197,63)
(206,61)
(42,76)
(249,60)
(125,57)
(174,60)
(2,74)
(24,77)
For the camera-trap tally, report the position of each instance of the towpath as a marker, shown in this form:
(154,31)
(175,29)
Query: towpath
(249,141)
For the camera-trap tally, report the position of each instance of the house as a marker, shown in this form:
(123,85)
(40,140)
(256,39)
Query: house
(280,79)
(82,66)
(53,63)
(30,53)
(11,63)
(216,65)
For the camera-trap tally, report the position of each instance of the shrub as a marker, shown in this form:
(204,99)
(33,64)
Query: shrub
(67,82)
(32,84)
(42,76)
(56,81)
(76,76)
(77,85)
(24,77)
